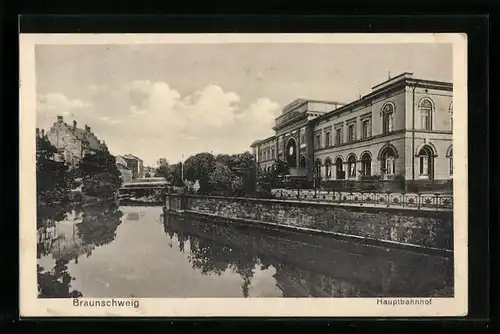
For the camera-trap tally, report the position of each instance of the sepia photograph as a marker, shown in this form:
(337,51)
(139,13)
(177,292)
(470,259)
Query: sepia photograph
(243,175)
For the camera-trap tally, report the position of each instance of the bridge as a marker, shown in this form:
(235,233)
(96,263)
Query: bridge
(143,187)
(146,183)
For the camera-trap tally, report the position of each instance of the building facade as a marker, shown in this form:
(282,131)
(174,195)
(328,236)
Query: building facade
(401,130)
(73,143)
(125,171)
(135,164)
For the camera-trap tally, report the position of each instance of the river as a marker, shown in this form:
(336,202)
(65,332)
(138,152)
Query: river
(134,251)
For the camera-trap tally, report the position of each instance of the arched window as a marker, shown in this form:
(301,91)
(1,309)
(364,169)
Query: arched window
(450,160)
(450,111)
(388,161)
(328,169)
(351,162)
(317,168)
(426,114)
(366,164)
(302,161)
(388,118)
(426,162)
(339,168)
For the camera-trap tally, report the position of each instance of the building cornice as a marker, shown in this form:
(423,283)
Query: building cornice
(399,84)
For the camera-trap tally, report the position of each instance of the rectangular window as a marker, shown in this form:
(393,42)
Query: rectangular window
(302,139)
(389,166)
(424,166)
(338,136)
(352,133)
(318,141)
(388,123)
(366,129)
(327,139)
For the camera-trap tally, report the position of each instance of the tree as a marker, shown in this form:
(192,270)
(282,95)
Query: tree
(100,176)
(163,170)
(222,179)
(52,182)
(199,167)
(280,167)
(99,223)
(245,167)
(147,175)
(175,175)
(56,283)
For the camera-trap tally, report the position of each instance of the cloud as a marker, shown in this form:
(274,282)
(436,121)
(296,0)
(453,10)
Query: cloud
(151,119)
(54,104)
(59,102)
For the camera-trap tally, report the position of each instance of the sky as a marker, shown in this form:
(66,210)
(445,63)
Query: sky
(174,100)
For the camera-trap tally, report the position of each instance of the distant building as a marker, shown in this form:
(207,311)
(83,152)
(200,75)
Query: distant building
(124,170)
(135,164)
(401,130)
(73,143)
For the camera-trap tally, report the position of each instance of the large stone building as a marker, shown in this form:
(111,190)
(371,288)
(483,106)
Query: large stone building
(72,142)
(401,130)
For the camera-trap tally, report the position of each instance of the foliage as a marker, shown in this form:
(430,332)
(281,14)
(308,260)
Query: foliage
(175,175)
(99,223)
(162,170)
(56,283)
(214,257)
(147,175)
(223,180)
(100,176)
(199,167)
(280,167)
(53,184)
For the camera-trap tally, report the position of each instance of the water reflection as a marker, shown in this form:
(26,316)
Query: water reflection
(310,266)
(66,236)
(131,251)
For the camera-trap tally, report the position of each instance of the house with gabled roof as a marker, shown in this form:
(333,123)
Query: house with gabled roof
(73,143)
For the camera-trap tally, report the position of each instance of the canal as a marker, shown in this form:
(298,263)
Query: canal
(108,250)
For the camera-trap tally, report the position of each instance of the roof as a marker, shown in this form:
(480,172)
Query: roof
(254,143)
(89,137)
(120,160)
(130,156)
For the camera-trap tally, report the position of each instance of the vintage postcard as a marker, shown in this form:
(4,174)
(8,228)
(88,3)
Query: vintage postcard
(269,175)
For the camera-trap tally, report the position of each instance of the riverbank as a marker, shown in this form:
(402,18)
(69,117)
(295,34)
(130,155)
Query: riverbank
(423,231)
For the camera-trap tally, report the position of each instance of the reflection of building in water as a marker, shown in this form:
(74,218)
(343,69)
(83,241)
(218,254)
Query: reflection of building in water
(305,268)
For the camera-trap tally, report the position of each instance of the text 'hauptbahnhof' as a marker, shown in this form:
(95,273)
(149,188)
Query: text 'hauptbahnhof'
(400,134)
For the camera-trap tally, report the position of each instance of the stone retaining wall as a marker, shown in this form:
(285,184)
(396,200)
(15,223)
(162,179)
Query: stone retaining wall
(391,226)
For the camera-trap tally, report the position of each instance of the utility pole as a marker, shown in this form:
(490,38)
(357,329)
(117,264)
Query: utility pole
(182,168)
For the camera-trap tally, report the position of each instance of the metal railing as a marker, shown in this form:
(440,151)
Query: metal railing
(437,201)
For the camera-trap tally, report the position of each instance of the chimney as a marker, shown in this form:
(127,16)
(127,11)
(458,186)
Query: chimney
(74,125)
(59,119)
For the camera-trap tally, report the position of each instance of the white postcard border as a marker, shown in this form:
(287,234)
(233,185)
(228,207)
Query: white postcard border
(30,305)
